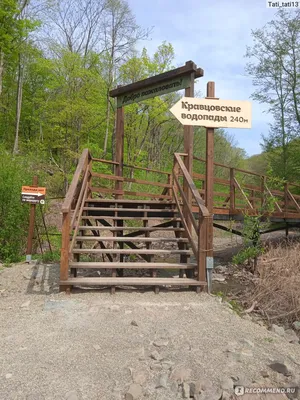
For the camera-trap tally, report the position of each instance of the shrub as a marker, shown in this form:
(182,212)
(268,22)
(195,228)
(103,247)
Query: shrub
(14,215)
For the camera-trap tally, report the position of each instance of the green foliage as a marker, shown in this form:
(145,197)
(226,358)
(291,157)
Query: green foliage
(14,216)
(258,163)
(275,68)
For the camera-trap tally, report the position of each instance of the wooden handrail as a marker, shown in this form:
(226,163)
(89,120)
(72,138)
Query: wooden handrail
(290,195)
(147,169)
(236,184)
(187,216)
(192,187)
(101,160)
(81,166)
(270,194)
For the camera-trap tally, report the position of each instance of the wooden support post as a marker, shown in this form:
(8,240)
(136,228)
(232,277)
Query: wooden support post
(119,148)
(286,198)
(209,179)
(189,150)
(202,240)
(232,191)
(31,225)
(64,259)
(263,184)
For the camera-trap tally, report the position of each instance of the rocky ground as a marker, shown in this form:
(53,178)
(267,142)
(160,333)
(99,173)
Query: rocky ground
(133,345)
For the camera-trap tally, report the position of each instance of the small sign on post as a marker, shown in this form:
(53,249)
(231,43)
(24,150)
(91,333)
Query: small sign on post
(213,113)
(33,195)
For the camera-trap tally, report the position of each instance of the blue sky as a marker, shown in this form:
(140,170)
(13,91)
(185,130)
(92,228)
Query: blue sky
(214,34)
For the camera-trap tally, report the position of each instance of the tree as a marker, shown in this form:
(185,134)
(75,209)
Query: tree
(121,34)
(275,68)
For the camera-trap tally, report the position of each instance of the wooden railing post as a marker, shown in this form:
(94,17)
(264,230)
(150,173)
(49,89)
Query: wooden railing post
(119,148)
(170,182)
(263,186)
(64,259)
(232,191)
(202,240)
(286,197)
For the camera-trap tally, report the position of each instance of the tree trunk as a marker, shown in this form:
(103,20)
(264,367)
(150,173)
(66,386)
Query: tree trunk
(19,104)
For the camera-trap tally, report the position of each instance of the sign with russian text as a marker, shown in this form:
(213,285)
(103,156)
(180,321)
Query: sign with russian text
(158,89)
(212,113)
(33,194)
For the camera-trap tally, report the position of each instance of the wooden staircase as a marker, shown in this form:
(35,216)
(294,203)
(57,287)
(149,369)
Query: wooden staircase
(125,242)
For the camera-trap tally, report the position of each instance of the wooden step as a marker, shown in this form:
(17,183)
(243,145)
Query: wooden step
(128,228)
(132,282)
(139,210)
(131,218)
(131,265)
(130,251)
(130,201)
(130,239)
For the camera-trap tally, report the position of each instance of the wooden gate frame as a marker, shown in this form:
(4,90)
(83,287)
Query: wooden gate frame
(156,86)
(152,87)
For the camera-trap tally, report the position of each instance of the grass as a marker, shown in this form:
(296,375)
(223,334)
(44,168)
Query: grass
(277,289)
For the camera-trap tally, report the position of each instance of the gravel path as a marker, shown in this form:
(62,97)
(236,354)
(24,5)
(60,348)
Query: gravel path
(94,346)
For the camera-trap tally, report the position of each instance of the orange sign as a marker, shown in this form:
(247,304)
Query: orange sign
(33,190)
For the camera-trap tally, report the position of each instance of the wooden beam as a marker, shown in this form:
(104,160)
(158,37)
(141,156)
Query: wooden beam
(189,67)
(236,184)
(119,148)
(188,140)
(207,224)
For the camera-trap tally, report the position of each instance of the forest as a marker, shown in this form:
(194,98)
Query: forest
(58,61)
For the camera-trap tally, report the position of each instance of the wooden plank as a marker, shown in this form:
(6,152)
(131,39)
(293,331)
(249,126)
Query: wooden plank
(187,231)
(188,209)
(293,200)
(277,192)
(143,182)
(206,224)
(131,201)
(64,258)
(275,202)
(82,195)
(81,166)
(215,163)
(165,76)
(147,169)
(128,193)
(194,190)
(129,251)
(188,144)
(124,179)
(101,160)
(79,216)
(129,218)
(232,190)
(131,239)
(106,190)
(133,282)
(145,194)
(218,194)
(202,177)
(243,193)
(106,176)
(119,150)
(134,210)
(131,265)
(228,167)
